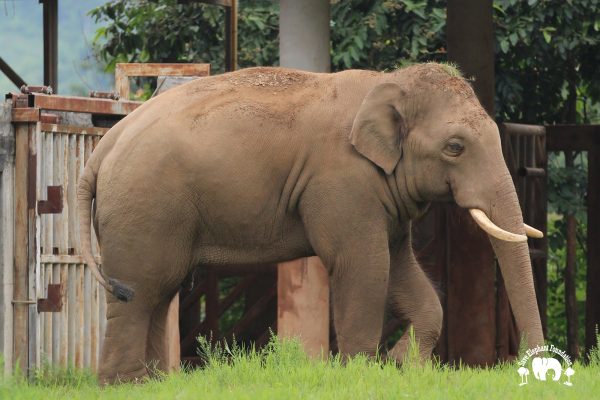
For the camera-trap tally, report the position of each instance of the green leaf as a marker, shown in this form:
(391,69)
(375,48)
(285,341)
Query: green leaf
(513,38)
(504,46)
(547,36)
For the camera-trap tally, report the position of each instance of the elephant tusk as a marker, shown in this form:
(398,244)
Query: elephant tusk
(532,232)
(492,229)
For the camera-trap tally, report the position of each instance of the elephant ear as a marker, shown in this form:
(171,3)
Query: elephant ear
(379,128)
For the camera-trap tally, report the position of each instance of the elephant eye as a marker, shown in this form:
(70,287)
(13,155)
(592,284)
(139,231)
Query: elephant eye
(454,148)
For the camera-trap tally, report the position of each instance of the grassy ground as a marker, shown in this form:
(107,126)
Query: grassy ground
(284,372)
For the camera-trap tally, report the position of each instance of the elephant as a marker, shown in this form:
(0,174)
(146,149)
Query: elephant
(541,366)
(268,164)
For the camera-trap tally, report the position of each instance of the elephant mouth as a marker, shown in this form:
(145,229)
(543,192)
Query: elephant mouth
(494,230)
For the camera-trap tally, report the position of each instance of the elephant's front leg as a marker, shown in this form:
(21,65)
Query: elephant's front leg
(354,248)
(413,298)
(359,285)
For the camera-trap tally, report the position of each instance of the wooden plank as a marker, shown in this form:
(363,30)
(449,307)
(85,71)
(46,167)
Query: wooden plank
(592,301)
(66,259)
(509,128)
(123,71)
(21,261)
(33,246)
(471,298)
(84,104)
(303,304)
(572,137)
(72,129)
(162,69)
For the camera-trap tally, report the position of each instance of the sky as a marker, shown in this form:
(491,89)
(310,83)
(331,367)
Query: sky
(21,46)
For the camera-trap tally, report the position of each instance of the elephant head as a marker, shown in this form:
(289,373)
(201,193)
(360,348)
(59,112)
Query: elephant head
(425,128)
(541,365)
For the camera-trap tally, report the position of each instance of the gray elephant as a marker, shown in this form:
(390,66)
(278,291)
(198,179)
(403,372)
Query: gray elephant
(266,165)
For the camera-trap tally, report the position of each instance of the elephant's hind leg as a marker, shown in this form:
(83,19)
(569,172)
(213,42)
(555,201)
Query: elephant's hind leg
(123,352)
(162,348)
(412,297)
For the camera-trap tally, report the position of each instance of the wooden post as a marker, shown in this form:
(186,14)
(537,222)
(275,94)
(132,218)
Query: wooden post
(592,301)
(21,261)
(7,223)
(303,304)
(231,36)
(470,263)
(570,276)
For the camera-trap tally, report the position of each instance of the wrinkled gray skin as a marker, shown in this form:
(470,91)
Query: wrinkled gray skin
(265,165)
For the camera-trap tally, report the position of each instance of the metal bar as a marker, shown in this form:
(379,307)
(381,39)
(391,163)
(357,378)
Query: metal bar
(50,43)
(11,74)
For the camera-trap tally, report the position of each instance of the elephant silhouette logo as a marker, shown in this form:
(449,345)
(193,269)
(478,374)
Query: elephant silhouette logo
(541,366)
(546,368)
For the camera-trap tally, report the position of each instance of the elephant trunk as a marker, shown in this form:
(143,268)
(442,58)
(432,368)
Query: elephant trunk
(515,262)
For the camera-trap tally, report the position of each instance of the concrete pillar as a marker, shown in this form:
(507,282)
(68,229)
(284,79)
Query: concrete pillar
(303,304)
(304,35)
(302,285)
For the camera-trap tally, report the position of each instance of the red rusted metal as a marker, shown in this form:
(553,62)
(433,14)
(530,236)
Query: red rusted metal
(49,118)
(31,181)
(22,114)
(36,89)
(104,95)
(52,303)
(54,202)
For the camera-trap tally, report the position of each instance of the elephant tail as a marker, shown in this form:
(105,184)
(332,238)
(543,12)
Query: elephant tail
(86,192)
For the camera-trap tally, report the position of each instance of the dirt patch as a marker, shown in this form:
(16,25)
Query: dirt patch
(266,77)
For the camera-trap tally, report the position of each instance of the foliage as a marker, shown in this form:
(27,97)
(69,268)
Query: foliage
(594,355)
(169,31)
(382,34)
(282,370)
(546,60)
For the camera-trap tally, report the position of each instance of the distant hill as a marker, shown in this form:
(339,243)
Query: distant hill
(21,45)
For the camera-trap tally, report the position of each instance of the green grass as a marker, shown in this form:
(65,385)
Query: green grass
(282,371)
